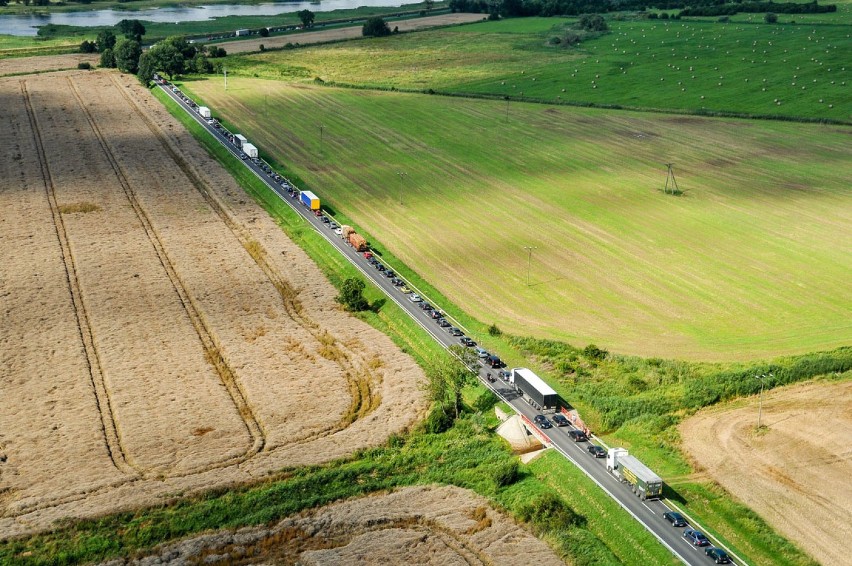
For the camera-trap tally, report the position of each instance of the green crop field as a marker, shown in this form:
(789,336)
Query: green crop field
(753,261)
(776,70)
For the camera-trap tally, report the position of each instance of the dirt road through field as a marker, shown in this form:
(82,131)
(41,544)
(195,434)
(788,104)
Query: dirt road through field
(796,473)
(339,34)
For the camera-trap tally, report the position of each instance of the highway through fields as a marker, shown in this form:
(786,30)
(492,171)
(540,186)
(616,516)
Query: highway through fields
(649,513)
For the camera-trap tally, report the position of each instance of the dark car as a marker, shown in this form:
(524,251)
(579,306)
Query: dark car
(544,424)
(442,322)
(372,260)
(504,375)
(494,362)
(539,419)
(425,306)
(390,273)
(718,555)
(559,420)
(695,538)
(456,332)
(467,342)
(675,518)
(380,267)
(578,435)
(325,219)
(597,451)
(436,314)
(397,282)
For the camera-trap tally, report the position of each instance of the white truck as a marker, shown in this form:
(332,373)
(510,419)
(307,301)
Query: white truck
(240,140)
(204,112)
(250,149)
(644,483)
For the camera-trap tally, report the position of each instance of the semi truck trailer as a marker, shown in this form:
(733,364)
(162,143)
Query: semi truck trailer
(644,483)
(250,149)
(310,200)
(534,390)
(239,140)
(204,112)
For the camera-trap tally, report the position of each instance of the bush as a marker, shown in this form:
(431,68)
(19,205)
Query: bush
(493,330)
(264,32)
(770,18)
(592,22)
(262,47)
(506,474)
(548,512)
(375,27)
(85,65)
(88,46)
(592,352)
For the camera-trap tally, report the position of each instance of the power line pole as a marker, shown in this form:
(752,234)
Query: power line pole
(224,70)
(402,176)
(761,378)
(321,128)
(670,175)
(529,261)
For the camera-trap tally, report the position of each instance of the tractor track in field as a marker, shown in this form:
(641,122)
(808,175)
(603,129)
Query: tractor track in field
(205,336)
(363,400)
(112,439)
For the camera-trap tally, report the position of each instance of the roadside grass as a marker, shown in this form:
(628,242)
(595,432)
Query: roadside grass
(737,268)
(685,66)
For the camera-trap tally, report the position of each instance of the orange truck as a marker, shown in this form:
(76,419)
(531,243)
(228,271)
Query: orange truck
(358,242)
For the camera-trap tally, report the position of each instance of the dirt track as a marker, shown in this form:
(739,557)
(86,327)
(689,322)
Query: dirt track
(338,34)
(416,525)
(159,333)
(796,474)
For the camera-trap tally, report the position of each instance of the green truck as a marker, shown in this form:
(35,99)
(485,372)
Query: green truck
(644,483)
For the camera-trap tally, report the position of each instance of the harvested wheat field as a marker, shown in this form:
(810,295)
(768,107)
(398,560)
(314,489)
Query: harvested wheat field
(159,333)
(796,473)
(414,525)
(45,63)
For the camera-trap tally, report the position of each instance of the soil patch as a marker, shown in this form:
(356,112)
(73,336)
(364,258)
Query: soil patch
(795,474)
(416,525)
(45,63)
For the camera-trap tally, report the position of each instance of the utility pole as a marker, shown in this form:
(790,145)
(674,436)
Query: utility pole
(529,261)
(402,176)
(321,128)
(507,109)
(761,378)
(224,70)
(670,175)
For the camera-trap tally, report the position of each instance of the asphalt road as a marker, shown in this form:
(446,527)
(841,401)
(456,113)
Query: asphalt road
(649,513)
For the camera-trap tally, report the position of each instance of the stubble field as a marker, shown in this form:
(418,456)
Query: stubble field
(795,473)
(750,262)
(159,333)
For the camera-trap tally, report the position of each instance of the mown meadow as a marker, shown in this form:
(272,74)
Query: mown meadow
(739,267)
(694,65)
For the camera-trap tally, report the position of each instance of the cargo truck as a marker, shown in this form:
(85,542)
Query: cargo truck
(345,231)
(204,112)
(239,140)
(250,149)
(358,242)
(533,390)
(644,483)
(310,200)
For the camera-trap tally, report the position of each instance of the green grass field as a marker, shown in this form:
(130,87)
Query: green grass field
(753,261)
(787,71)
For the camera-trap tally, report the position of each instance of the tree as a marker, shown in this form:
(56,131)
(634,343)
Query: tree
(447,376)
(88,46)
(164,57)
(592,22)
(375,27)
(105,40)
(107,59)
(429,4)
(185,48)
(352,295)
(770,18)
(307,18)
(127,53)
(264,32)
(132,29)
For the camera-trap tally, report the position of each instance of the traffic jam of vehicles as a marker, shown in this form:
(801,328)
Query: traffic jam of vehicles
(515,383)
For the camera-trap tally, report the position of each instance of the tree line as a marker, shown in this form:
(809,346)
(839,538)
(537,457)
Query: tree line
(521,8)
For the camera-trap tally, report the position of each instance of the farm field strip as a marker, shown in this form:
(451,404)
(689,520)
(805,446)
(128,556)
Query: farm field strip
(224,356)
(741,266)
(57,400)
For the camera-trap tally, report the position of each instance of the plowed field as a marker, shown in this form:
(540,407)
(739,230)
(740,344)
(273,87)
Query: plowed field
(159,333)
(795,474)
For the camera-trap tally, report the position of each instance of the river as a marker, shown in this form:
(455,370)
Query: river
(26,25)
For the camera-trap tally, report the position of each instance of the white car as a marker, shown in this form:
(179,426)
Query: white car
(415,298)
(338,231)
